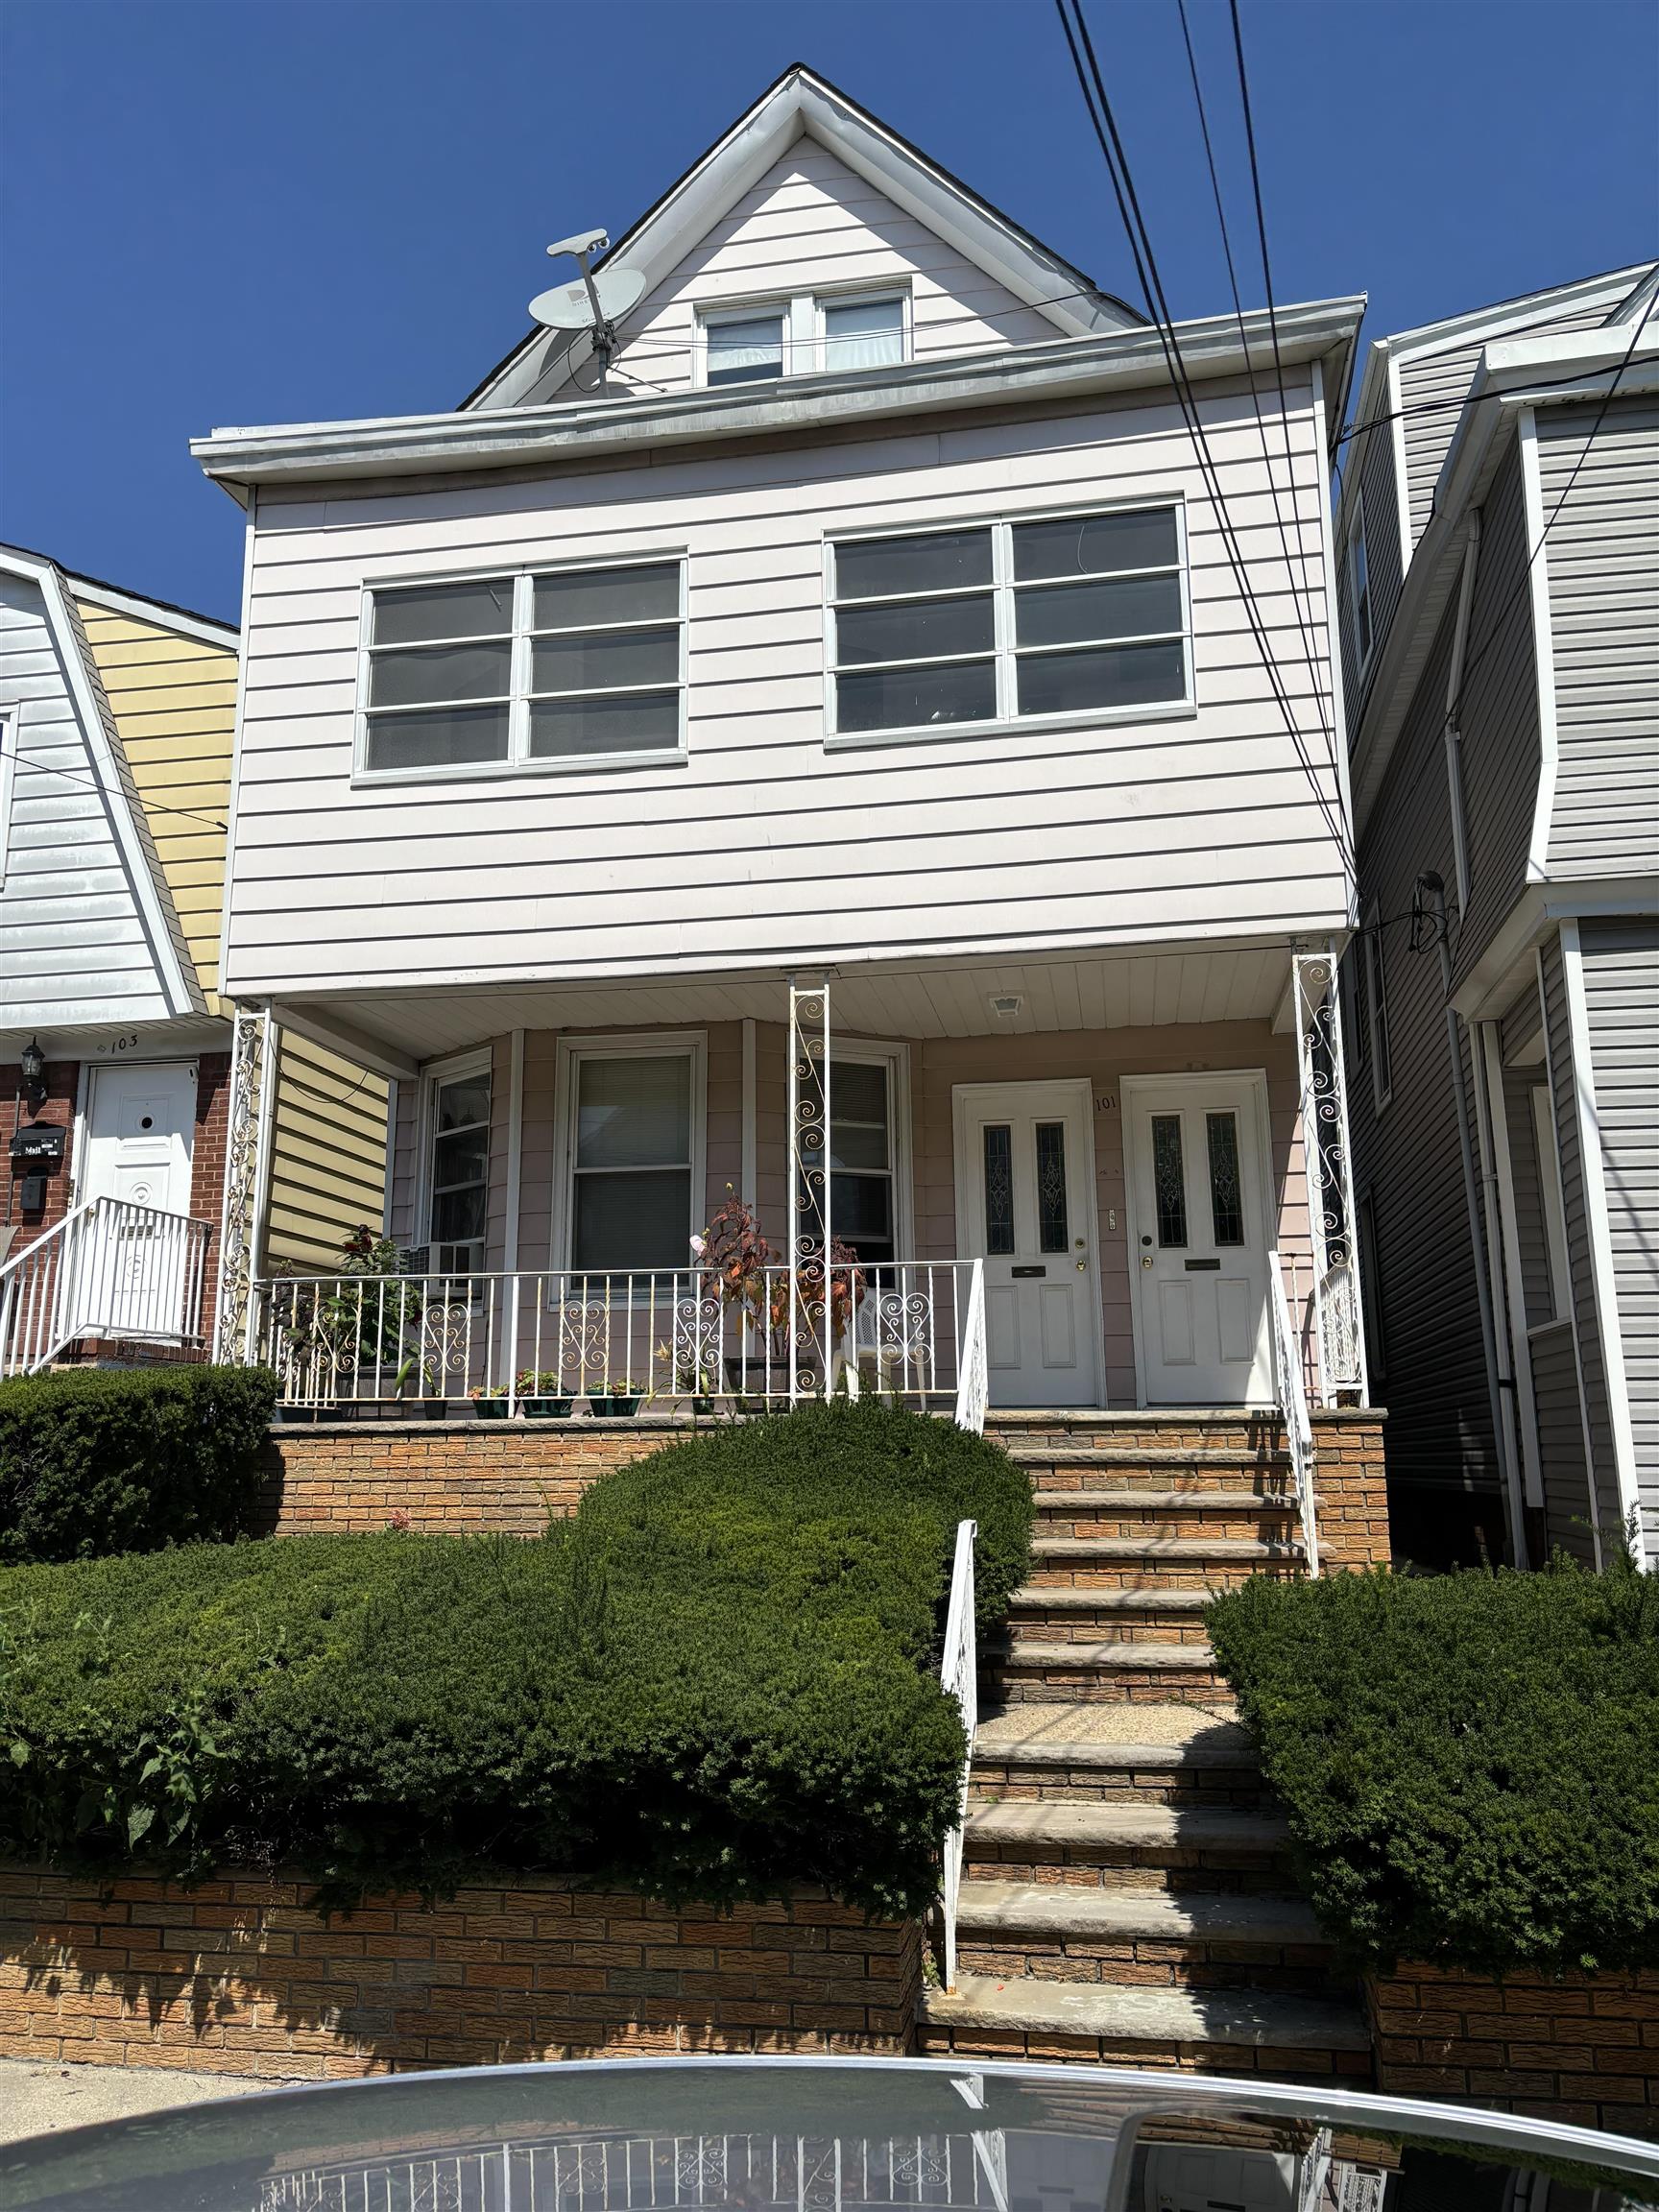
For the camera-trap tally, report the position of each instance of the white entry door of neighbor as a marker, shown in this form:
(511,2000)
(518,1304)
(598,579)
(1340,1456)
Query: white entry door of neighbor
(140,1122)
(1198,1180)
(1026,1204)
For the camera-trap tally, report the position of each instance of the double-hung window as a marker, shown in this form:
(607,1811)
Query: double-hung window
(861,334)
(632,1154)
(458,1169)
(861,1165)
(745,348)
(1359,584)
(1058,616)
(761,342)
(558,668)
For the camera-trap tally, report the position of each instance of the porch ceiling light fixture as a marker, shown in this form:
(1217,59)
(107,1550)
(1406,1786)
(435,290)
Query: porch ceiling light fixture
(1007,1005)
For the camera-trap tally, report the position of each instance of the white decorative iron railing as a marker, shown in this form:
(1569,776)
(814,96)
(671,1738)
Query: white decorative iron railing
(1293,1395)
(110,1269)
(959,1678)
(541,1342)
(974,1388)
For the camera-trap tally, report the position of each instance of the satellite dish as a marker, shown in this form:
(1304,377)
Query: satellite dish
(574,307)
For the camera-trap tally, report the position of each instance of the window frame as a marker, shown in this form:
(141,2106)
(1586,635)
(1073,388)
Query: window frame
(458,1067)
(518,760)
(1377,1007)
(1004,651)
(1359,555)
(895,1057)
(691,1044)
(10,727)
(714,318)
(802,316)
(872,296)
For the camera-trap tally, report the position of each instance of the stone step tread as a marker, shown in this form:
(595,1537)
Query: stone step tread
(1060,1823)
(1258,2019)
(1068,1454)
(1174,1548)
(1104,1598)
(1113,1658)
(1167,1501)
(1232,1751)
(1055,1910)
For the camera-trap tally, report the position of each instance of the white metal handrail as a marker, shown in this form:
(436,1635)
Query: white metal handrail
(110,1268)
(973,1389)
(1292,1393)
(545,1342)
(959,1678)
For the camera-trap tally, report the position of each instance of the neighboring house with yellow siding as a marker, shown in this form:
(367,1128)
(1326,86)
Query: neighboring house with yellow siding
(117,715)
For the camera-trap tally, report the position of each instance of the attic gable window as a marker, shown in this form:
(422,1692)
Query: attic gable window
(570,668)
(808,331)
(1055,617)
(744,348)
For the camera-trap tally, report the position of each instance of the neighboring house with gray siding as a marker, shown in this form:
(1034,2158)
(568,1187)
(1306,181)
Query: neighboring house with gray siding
(1497,528)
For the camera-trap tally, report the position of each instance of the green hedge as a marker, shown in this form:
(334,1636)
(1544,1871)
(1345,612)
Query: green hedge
(716,1679)
(1470,1762)
(107,1459)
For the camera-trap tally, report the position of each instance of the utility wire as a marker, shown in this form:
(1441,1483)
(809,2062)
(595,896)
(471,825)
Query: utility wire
(73,775)
(1104,123)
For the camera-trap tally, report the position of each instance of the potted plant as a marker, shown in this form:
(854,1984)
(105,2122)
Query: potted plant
(620,1400)
(537,1397)
(740,1269)
(490,1401)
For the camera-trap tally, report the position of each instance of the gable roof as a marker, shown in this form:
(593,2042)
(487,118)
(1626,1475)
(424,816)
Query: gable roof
(111,773)
(802,103)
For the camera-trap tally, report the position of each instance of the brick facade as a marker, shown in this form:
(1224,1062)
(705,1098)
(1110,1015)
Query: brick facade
(208,1165)
(1351,1488)
(1583,2048)
(62,1080)
(238,1977)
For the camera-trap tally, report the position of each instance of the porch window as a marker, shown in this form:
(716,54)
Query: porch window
(458,1169)
(631,1162)
(1057,617)
(861,1156)
(566,668)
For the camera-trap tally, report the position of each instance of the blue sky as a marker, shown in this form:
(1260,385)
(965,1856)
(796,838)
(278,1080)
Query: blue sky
(222,211)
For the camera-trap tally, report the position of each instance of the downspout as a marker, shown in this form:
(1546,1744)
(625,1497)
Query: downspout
(1431,887)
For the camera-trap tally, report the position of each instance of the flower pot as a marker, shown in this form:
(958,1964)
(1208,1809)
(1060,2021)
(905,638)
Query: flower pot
(615,1408)
(546,1408)
(702,1407)
(490,1408)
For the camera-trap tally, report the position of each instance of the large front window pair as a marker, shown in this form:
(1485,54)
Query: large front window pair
(1066,615)
(573,666)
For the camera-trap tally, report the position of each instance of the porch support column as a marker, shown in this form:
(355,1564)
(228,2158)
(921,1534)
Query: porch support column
(247,1184)
(1326,1159)
(811,1331)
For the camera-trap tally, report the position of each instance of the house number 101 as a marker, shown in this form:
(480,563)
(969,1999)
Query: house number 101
(1105,1101)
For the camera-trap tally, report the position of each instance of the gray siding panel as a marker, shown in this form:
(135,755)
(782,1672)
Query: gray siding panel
(1561,1442)
(1439,1418)
(1621,1002)
(1499,717)
(1519,1084)
(1563,1083)
(1601,559)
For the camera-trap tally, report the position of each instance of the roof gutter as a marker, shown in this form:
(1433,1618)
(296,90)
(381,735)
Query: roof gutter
(587,428)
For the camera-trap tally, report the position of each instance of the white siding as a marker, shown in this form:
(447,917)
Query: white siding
(764,847)
(812,223)
(73,941)
(1601,559)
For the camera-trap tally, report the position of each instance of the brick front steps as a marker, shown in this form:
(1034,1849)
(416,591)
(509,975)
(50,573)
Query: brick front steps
(1126,1895)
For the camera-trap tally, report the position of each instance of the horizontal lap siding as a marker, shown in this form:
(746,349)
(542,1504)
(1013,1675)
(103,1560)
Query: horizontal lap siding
(1135,832)
(1567,1512)
(812,223)
(1621,1002)
(327,1154)
(1565,1080)
(1601,559)
(1408,1156)
(173,699)
(73,941)
(1498,717)
(1530,1237)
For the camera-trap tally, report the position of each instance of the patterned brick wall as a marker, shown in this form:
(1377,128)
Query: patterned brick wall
(238,1977)
(1351,1488)
(1584,2048)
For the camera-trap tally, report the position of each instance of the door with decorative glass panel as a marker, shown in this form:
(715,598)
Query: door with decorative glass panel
(1024,1203)
(1199,1181)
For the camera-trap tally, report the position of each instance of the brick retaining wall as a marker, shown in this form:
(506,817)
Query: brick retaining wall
(1583,2047)
(237,1977)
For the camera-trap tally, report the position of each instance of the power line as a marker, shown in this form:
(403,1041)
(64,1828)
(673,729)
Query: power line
(1104,125)
(42,767)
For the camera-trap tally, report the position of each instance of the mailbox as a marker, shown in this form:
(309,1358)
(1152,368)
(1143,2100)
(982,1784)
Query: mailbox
(38,1148)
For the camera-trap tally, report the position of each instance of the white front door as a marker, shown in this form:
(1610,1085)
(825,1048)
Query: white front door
(140,1122)
(1025,1205)
(1199,1238)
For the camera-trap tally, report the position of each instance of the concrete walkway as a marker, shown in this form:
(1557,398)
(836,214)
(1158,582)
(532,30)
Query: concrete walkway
(39,2099)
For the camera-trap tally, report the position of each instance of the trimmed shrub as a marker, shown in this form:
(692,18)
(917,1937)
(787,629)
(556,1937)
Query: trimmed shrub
(713,1681)
(1470,1762)
(103,1459)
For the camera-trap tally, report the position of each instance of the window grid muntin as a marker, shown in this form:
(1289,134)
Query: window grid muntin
(1002,589)
(889,1174)
(521,636)
(443,1254)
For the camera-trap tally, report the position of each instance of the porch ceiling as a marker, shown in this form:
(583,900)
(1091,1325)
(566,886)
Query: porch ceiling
(1141,989)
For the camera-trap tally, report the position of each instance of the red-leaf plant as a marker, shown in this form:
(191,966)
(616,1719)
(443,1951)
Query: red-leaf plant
(736,1258)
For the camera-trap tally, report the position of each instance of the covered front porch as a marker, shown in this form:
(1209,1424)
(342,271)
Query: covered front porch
(1079,1182)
